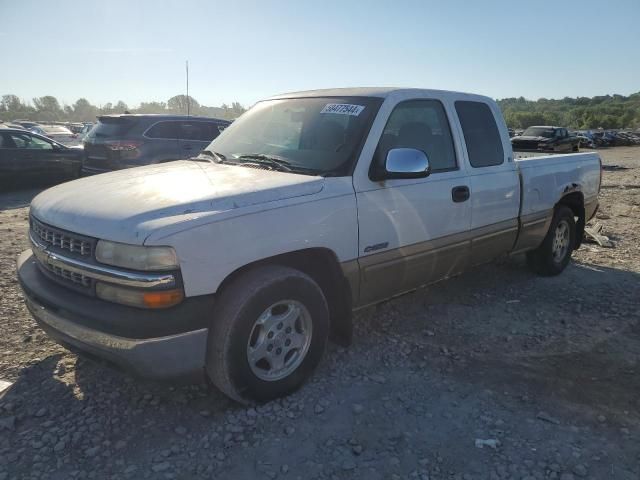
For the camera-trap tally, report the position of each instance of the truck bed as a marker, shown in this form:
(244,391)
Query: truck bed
(547,178)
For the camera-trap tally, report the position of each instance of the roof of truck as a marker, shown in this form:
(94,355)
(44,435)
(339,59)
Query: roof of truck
(381,92)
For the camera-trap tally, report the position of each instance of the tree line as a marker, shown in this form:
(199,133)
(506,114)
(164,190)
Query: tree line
(49,109)
(608,111)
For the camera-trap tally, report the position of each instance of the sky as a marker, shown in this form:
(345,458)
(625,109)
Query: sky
(240,50)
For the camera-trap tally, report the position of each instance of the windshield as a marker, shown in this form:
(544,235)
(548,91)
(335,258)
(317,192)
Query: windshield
(539,132)
(319,136)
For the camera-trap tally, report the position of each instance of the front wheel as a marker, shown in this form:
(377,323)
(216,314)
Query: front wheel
(554,254)
(267,335)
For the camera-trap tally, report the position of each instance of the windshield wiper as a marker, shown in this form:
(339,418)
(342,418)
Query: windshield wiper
(269,160)
(216,157)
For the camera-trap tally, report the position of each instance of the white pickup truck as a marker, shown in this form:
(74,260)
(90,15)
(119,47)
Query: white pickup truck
(239,264)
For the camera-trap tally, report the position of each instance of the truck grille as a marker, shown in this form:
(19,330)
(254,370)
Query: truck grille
(525,145)
(73,277)
(61,239)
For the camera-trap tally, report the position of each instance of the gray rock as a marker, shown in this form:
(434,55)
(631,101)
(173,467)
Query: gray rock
(318,409)
(348,465)
(91,451)
(42,412)
(8,423)
(161,467)
(378,378)
(580,470)
(180,430)
(357,408)
(545,417)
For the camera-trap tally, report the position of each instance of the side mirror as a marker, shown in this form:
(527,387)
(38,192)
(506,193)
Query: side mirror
(406,163)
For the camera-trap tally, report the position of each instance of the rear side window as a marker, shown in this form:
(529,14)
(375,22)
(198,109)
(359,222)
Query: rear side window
(199,131)
(111,127)
(165,130)
(481,135)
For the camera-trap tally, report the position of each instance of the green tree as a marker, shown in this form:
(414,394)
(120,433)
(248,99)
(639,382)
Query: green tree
(48,108)
(179,104)
(83,111)
(151,107)
(11,103)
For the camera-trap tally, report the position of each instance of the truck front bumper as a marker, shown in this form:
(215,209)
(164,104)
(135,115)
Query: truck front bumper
(71,319)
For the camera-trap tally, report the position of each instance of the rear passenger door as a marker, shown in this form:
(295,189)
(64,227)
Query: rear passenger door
(495,184)
(195,135)
(164,144)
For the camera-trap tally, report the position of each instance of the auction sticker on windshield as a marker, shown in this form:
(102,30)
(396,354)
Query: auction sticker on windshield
(343,109)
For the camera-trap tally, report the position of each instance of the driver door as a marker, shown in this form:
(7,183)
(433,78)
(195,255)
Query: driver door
(414,231)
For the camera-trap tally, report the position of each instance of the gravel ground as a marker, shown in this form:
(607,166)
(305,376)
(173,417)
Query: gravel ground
(497,374)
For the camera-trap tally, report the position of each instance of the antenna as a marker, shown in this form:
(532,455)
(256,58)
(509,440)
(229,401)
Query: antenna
(188,102)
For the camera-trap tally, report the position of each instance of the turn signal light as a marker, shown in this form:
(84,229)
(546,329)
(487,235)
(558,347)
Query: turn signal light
(139,298)
(163,299)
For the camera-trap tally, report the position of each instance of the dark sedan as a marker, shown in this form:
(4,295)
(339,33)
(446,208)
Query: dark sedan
(545,139)
(27,158)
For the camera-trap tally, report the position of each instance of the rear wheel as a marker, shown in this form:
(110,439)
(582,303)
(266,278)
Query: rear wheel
(268,333)
(554,254)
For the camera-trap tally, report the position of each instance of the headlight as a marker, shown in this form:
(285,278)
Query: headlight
(136,257)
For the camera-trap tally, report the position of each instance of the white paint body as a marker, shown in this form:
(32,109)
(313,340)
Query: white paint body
(220,218)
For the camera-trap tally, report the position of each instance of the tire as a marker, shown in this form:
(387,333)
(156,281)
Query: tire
(293,309)
(554,254)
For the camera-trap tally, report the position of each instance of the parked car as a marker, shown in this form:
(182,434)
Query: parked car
(59,134)
(26,157)
(75,127)
(545,139)
(86,128)
(124,141)
(240,262)
(13,126)
(26,124)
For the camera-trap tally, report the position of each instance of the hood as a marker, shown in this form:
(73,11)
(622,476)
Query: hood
(127,205)
(531,139)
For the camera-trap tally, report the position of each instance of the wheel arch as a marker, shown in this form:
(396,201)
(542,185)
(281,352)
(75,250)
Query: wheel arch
(323,266)
(574,199)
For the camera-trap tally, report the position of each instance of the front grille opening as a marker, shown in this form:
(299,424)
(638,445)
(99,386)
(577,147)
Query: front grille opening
(68,276)
(61,239)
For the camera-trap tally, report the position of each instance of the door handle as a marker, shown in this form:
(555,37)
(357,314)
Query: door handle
(460,194)
(187,147)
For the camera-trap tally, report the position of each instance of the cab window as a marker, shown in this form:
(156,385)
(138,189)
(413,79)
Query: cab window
(423,125)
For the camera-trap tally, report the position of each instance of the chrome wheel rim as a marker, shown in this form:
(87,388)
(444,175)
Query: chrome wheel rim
(561,239)
(279,340)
